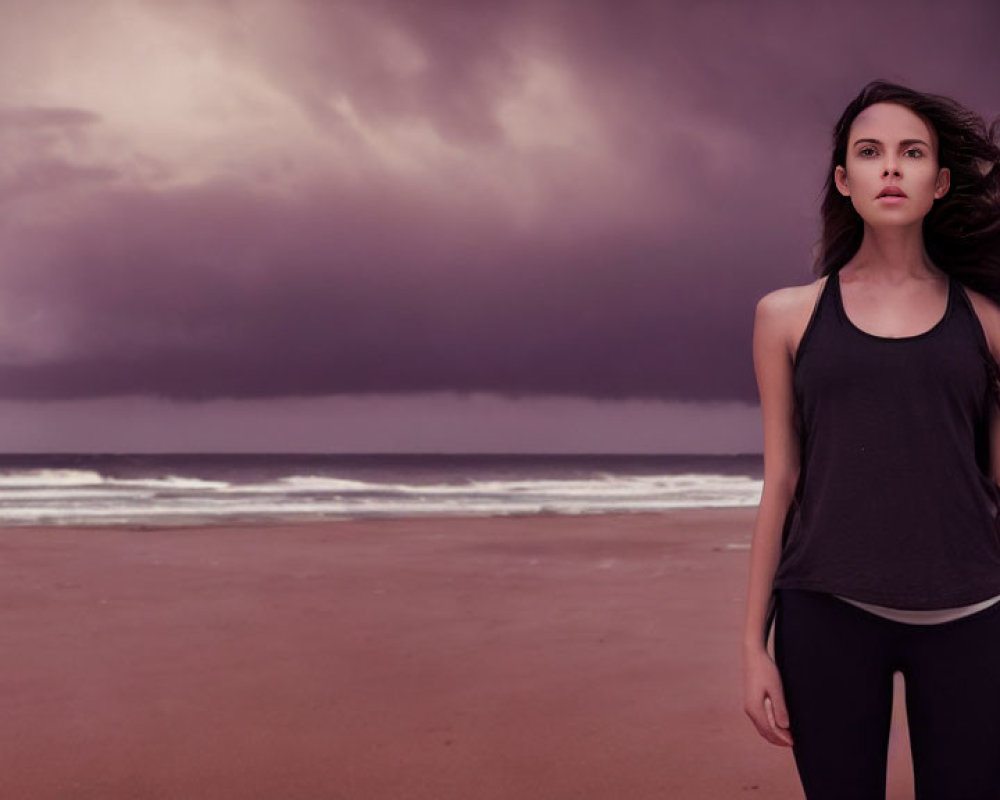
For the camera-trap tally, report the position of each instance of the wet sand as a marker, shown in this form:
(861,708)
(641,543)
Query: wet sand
(528,657)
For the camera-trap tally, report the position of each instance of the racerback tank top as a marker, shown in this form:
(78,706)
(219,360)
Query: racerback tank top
(894,504)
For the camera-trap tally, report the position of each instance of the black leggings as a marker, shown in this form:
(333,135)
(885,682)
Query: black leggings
(836,663)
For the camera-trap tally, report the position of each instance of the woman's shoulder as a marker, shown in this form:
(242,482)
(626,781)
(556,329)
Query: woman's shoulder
(988,312)
(787,310)
(791,303)
(789,300)
(981,300)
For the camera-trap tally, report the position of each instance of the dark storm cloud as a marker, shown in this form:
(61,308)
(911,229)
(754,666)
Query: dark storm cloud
(48,175)
(30,138)
(27,117)
(191,301)
(605,234)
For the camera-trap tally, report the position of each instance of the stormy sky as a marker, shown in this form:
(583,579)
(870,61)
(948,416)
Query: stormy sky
(266,225)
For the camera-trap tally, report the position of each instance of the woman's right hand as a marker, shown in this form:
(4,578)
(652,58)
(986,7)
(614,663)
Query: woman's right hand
(764,700)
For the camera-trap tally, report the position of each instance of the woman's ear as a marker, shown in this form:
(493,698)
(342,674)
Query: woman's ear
(840,179)
(943,183)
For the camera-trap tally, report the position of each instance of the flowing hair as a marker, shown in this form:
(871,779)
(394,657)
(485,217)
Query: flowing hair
(962,229)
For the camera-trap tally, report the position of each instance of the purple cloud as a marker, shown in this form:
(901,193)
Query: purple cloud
(310,199)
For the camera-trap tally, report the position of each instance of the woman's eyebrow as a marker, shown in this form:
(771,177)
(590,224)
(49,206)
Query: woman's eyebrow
(902,142)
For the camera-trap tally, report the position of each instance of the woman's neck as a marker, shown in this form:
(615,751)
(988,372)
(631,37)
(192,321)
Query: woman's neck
(895,254)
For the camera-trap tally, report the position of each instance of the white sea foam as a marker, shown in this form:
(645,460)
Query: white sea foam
(83,496)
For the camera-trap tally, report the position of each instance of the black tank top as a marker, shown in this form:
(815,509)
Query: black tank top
(894,504)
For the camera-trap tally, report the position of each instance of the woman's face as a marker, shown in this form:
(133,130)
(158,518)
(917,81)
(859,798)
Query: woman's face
(888,144)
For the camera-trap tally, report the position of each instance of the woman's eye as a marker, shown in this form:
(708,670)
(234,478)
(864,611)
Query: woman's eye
(865,150)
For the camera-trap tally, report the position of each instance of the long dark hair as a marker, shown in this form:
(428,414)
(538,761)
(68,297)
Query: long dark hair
(962,229)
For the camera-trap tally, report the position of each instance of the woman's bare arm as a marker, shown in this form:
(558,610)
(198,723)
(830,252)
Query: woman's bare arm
(991,328)
(989,318)
(763,696)
(773,368)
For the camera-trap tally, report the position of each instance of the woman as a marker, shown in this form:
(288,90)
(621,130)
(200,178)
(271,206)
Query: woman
(876,547)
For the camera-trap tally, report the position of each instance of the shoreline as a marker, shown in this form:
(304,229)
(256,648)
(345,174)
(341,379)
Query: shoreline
(277,521)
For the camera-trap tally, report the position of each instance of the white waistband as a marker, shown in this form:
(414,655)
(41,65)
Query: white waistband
(923,616)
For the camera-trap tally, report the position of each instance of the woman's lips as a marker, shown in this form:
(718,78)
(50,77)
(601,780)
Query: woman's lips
(891,199)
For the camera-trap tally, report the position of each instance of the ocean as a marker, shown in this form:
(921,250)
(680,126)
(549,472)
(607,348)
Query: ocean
(222,488)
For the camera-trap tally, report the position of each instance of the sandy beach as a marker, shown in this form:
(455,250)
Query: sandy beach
(531,657)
